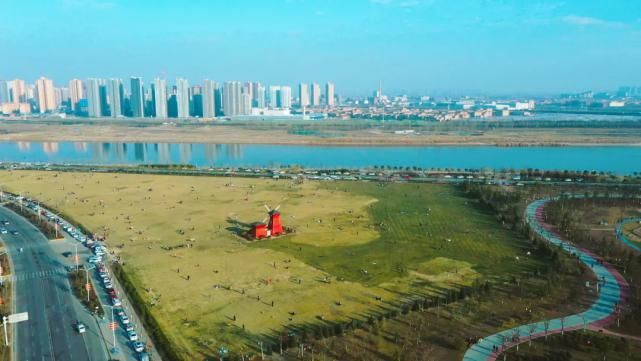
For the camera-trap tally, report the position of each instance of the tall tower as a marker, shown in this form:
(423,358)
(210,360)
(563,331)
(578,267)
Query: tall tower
(76,92)
(45,95)
(18,91)
(209,99)
(115,97)
(232,98)
(329,93)
(137,98)
(303,95)
(160,97)
(182,97)
(316,94)
(285,97)
(93,97)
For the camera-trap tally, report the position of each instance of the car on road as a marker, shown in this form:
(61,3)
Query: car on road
(80,327)
(139,346)
(124,319)
(133,336)
(144,357)
(94,259)
(5,222)
(109,285)
(14,232)
(116,302)
(129,327)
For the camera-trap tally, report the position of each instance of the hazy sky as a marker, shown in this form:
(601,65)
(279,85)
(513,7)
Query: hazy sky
(416,46)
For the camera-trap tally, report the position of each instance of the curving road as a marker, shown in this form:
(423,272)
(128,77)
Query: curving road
(612,286)
(621,237)
(42,289)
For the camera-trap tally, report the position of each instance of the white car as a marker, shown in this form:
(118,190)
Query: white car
(139,346)
(116,302)
(133,336)
(129,327)
(80,327)
(3,231)
(125,320)
(109,285)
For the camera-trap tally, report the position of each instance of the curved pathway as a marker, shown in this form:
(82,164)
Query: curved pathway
(623,238)
(612,286)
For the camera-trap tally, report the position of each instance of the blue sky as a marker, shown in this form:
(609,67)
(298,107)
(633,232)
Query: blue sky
(413,46)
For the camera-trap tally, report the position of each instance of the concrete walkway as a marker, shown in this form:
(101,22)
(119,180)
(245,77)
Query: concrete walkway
(612,291)
(621,237)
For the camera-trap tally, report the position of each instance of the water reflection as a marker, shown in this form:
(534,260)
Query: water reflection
(50,148)
(613,158)
(24,146)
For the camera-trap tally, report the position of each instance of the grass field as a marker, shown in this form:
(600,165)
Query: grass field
(357,249)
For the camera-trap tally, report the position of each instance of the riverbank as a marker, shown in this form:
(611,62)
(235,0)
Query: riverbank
(289,135)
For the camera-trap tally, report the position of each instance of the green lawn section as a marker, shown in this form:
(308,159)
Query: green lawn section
(416,223)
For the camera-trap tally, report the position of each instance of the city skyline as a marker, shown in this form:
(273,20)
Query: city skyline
(414,47)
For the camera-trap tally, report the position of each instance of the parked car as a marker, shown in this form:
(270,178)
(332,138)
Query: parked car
(116,302)
(124,319)
(133,336)
(139,346)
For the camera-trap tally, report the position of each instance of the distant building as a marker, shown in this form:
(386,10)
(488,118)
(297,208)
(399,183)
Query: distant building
(182,97)
(136,100)
(115,97)
(76,92)
(160,98)
(274,93)
(4,92)
(330,95)
(316,95)
(209,99)
(303,95)
(46,98)
(18,91)
(196,101)
(285,97)
(93,97)
(232,98)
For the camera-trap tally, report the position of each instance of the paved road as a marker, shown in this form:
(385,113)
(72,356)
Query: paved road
(42,289)
(612,290)
(621,237)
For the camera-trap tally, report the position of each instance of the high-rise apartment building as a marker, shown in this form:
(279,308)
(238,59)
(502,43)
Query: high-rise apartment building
(93,97)
(4,92)
(115,97)
(234,101)
(329,94)
(316,95)
(18,91)
(285,97)
(45,95)
(274,95)
(76,92)
(160,98)
(136,99)
(62,96)
(182,97)
(209,99)
(303,95)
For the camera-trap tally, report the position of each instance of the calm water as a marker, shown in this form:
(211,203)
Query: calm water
(619,159)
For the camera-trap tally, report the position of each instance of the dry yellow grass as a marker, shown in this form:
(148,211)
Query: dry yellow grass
(220,288)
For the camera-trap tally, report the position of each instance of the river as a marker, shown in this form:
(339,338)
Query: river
(617,159)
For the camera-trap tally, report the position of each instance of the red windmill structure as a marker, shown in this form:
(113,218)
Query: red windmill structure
(275,227)
(264,229)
